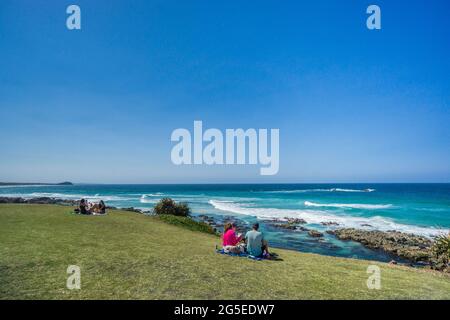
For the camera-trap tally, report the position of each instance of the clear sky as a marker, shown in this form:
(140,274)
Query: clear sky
(99,104)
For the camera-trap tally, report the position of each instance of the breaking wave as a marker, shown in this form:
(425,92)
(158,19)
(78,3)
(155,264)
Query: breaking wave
(146,198)
(67,196)
(321,190)
(349,205)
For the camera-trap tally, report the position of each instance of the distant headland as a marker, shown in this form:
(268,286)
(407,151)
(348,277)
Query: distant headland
(65,183)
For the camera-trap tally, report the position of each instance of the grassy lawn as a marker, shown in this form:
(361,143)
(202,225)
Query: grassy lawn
(129,256)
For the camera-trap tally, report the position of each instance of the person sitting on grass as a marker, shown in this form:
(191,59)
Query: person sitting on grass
(83,208)
(92,207)
(98,208)
(231,240)
(101,208)
(257,246)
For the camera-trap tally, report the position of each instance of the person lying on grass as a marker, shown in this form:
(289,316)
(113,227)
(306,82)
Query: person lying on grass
(257,246)
(230,240)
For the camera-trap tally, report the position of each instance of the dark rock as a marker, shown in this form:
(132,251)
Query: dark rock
(295,220)
(286,223)
(408,246)
(284,226)
(218,225)
(42,200)
(11,200)
(315,234)
(132,209)
(329,223)
(39,200)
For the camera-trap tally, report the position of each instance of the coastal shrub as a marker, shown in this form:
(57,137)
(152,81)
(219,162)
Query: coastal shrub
(441,253)
(187,223)
(168,206)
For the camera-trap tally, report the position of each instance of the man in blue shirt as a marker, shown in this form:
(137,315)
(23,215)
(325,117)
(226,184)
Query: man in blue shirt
(256,244)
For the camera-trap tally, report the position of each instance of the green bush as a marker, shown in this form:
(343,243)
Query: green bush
(441,253)
(169,207)
(187,223)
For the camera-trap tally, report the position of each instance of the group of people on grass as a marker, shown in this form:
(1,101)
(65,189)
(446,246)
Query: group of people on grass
(87,207)
(253,243)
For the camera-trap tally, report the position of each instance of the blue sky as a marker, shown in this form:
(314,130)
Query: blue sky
(99,104)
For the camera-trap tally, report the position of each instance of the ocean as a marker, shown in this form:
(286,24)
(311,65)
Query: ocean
(422,209)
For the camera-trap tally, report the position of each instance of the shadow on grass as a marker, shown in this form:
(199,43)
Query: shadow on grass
(273,256)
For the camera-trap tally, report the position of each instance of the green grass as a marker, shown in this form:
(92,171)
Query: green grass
(125,255)
(187,223)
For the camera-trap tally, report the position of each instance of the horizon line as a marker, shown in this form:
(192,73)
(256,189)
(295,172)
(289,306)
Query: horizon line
(202,183)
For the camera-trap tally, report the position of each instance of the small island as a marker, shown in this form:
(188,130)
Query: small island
(65,183)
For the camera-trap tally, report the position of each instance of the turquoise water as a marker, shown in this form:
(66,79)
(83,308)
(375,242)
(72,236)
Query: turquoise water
(415,208)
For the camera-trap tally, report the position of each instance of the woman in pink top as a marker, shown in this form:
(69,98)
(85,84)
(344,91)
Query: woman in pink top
(230,241)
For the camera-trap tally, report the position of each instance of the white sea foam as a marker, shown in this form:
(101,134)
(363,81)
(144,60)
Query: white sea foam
(318,216)
(146,210)
(44,194)
(190,198)
(158,194)
(321,190)
(146,198)
(351,190)
(349,205)
(67,196)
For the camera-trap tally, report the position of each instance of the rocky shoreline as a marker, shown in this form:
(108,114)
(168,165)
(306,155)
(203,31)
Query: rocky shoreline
(39,200)
(407,246)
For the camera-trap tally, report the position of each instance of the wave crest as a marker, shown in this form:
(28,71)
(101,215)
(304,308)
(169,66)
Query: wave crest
(349,205)
(67,196)
(146,198)
(321,190)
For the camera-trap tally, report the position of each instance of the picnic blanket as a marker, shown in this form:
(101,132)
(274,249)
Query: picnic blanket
(221,251)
